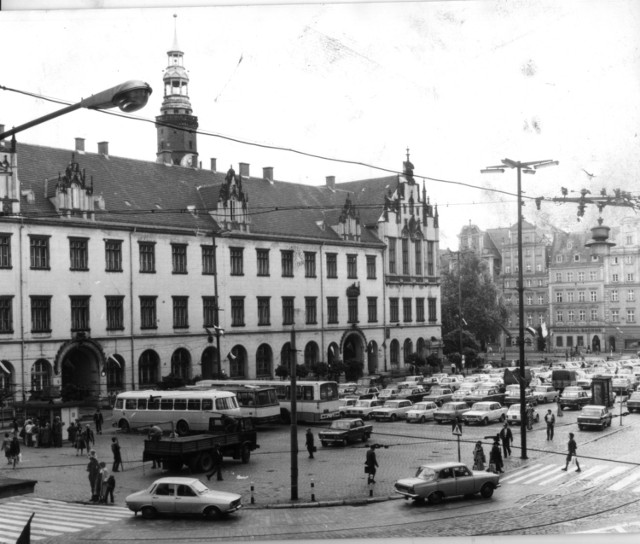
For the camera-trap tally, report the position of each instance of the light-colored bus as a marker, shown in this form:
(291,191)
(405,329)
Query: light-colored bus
(315,401)
(259,402)
(182,411)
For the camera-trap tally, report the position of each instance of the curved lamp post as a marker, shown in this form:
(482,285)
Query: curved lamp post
(129,96)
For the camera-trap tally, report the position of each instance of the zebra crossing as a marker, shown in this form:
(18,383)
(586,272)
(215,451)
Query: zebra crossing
(613,478)
(53,518)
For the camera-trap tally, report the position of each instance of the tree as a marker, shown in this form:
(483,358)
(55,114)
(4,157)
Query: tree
(282,371)
(320,369)
(471,300)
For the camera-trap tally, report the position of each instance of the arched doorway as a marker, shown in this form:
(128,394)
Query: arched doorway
(79,363)
(612,343)
(7,380)
(285,355)
(209,362)
(595,344)
(114,371)
(148,367)
(407,349)
(264,361)
(311,354)
(181,364)
(353,348)
(40,379)
(372,357)
(394,353)
(237,362)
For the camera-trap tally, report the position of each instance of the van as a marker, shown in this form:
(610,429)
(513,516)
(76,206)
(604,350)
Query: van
(564,378)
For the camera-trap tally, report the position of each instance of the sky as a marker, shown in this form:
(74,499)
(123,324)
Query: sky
(462,85)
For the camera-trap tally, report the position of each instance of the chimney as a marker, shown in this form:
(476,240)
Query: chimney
(213,165)
(267,173)
(244,169)
(80,145)
(331,182)
(103,148)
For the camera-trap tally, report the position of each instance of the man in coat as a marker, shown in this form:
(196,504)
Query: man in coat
(506,437)
(309,443)
(371,464)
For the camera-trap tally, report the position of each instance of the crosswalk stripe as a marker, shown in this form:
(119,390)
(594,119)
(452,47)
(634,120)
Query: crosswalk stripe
(519,478)
(509,477)
(613,472)
(548,474)
(621,484)
(560,474)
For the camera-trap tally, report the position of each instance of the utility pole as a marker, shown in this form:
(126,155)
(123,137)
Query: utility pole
(294,417)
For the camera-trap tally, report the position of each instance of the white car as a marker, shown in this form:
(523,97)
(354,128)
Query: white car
(345,403)
(545,393)
(363,408)
(421,412)
(483,413)
(513,415)
(392,410)
(465,389)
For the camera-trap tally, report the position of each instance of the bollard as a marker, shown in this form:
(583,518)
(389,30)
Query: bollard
(313,494)
(253,500)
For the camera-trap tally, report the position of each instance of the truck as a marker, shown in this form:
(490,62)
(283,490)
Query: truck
(343,431)
(602,391)
(561,378)
(197,451)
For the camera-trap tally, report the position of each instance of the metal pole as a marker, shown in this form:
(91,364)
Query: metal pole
(459,458)
(523,407)
(460,310)
(216,306)
(294,418)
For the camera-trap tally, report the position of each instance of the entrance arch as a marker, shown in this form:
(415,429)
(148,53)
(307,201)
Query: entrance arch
(353,347)
(595,344)
(372,357)
(209,361)
(612,343)
(79,363)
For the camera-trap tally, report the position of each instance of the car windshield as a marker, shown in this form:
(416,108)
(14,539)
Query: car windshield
(425,473)
(570,394)
(421,406)
(449,406)
(391,404)
(514,408)
(436,391)
(362,403)
(340,425)
(635,396)
(541,388)
(481,407)
(591,411)
(484,391)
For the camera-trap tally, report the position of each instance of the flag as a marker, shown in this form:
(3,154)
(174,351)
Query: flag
(531,330)
(4,368)
(545,332)
(25,535)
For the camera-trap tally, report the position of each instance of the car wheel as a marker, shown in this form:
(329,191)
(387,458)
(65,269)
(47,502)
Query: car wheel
(485,421)
(422,419)
(211,512)
(486,491)
(393,417)
(435,498)
(344,443)
(418,500)
(182,428)
(148,512)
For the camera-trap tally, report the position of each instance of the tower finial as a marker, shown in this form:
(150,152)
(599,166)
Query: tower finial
(175,33)
(408,154)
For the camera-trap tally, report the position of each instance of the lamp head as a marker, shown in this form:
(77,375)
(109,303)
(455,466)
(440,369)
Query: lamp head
(129,96)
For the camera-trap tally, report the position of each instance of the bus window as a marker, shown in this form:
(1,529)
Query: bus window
(119,404)
(166,404)
(207,405)
(131,404)
(193,404)
(153,404)
(328,391)
(142,404)
(224,403)
(180,404)
(307,392)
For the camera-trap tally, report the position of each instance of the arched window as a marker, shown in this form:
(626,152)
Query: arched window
(148,365)
(209,363)
(311,354)
(114,368)
(40,375)
(285,355)
(6,371)
(264,361)
(181,363)
(421,347)
(394,352)
(408,350)
(237,362)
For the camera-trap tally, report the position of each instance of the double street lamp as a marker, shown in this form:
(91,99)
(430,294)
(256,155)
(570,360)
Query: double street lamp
(528,168)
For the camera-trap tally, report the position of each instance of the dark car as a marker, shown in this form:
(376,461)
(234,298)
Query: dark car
(575,399)
(414,394)
(484,394)
(594,415)
(633,404)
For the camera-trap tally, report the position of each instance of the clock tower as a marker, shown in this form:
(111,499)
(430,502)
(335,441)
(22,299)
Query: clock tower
(176,124)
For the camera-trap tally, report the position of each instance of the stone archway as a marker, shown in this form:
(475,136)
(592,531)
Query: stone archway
(209,361)
(612,343)
(353,347)
(77,367)
(372,357)
(595,344)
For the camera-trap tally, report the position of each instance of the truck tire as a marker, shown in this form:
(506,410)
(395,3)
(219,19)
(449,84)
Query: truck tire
(245,453)
(205,462)
(182,428)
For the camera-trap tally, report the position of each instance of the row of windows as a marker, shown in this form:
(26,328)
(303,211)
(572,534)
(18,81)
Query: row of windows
(528,268)
(582,296)
(613,295)
(615,278)
(527,283)
(405,254)
(580,314)
(580,276)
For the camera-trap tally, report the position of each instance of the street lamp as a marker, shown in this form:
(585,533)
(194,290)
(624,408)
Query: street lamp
(527,168)
(129,96)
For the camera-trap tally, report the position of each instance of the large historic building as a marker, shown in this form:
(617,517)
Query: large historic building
(115,272)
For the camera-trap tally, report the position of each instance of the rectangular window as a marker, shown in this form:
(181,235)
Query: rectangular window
(309,264)
(179,258)
(148,318)
(286,257)
(39,252)
(593,275)
(394,310)
(310,310)
(208,260)
(507,269)
(529,300)
(209,311)
(6,314)
(115,313)
(5,251)
(392,256)
(147,257)
(372,309)
(615,278)
(264,311)
(353,309)
(352,266)
(580,277)
(540,299)
(332,265)
(571,315)
(615,316)
(593,296)
(614,295)
(237,311)
(237,261)
(630,277)
(631,316)
(432,309)
(40,314)
(79,313)
(420,310)
(287,311)
(559,316)
(559,342)
(582,315)
(570,296)
(406,310)
(180,312)
(628,259)
(559,297)
(78,253)
(558,276)
(581,296)
(262,256)
(569,276)
(418,256)
(630,295)
(332,310)
(113,255)
(371,267)
(594,314)
(405,256)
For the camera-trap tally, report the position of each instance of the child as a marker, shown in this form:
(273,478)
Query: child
(111,485)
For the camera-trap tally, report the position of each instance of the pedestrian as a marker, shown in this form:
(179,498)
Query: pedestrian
(155,434)
(371,464)
(117,457)
(80,443)
(495,458)
(453,368)
(93,468)
(550,420)
(14,450)
(479,458)
(506,437)
(28,433)
(111,485)
(102,482)
(572,447)
(35,435)
(530,413)
(6,447)
(57,432)
(15,426)
(309,443)
(560,413)
(72,433)
(45,436)
(217,464)
(89,437)
(98,420)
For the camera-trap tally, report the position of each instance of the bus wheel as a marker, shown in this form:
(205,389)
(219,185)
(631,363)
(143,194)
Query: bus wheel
(205,462)
(245,454)
(182,428)
(123,425)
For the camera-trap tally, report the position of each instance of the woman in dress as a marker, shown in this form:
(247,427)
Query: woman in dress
(479,458)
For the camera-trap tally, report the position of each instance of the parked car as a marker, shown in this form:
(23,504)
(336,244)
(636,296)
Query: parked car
(513,395)
(452,382)
(182,496)
(366,392)
(485,393)
(438,481)
(421,412)
(545,393)
(414,394)
(345,389)
(343,431)
(389,393)
(363,408)
(345,403)
(466,389)
(575,399)
(483,413)
(392,410)
(594,415)
(633,404)
(450,411)
(513,415)
(439,395)
(621,384)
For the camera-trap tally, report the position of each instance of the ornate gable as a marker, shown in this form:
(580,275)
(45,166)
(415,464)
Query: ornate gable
(71,195)
(348,227)
(233,204)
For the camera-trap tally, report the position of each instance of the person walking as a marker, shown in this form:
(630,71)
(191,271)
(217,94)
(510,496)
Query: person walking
(80,442)
(117,457)
(155,434)
(479,458)
(98,420)
(495,458)
(45,435)
(550,420)
(93,468)
(57,432)
(6,446)
(35,435)
(506,437)
(530,413)
(72,433)
(572,448)
(89,437)
(309,443)
(111,485)
(102,482)
(371,464)
(217,464)
(14,450)
(28,433)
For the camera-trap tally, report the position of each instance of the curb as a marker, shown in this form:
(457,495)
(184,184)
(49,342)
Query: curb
(317,504)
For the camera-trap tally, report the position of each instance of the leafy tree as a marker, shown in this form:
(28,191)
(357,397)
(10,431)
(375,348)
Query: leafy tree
(282,371)
(434,362)
(335,370)
(320,369)
(472,301)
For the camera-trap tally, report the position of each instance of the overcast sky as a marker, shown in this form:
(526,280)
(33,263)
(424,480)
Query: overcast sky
(462,84)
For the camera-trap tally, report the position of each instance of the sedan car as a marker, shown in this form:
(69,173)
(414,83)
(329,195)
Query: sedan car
(437,481)
(633,404)
(574,399)
(483,413)
(594,415)
(513,415)
(421,411)
(182,496)
(545,393)
(451,411)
